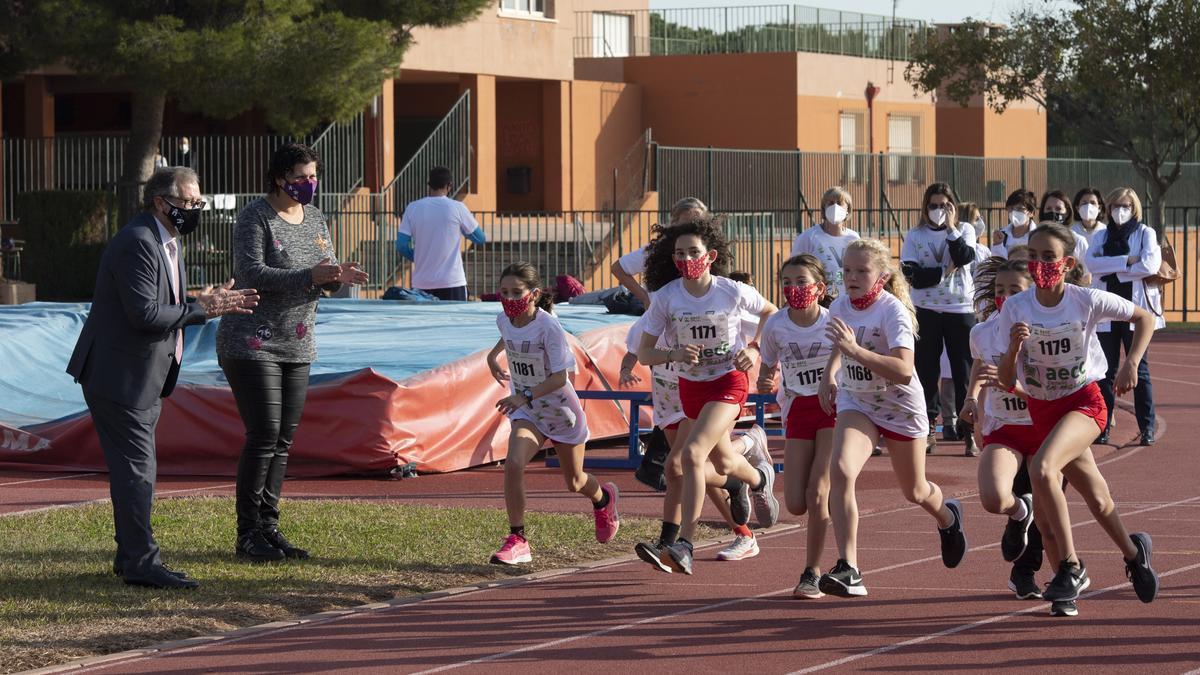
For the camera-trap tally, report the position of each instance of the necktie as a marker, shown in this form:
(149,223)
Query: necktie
(173,254)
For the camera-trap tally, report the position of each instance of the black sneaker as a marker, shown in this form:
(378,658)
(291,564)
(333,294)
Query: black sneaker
(253,546)
(1064,608)
(678,556)
(275,538)
(1138,570)
(739,504)
(954,540)
(651,475)
(950,433)
(651,552)
(1071,580)
(1102,439)
(1016,532)
(843,581)
(877,451)
(1024,585)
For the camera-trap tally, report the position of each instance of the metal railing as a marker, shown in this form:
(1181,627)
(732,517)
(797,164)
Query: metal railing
(449,145)
(342,150)
(741,30)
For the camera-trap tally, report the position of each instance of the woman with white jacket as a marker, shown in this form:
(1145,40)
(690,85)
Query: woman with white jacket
(1120,260)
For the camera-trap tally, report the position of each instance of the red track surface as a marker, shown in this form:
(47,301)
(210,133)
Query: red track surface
(740,616)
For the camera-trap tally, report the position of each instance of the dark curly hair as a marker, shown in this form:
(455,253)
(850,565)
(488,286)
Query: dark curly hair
(285,158)
(985,281)
(660,260)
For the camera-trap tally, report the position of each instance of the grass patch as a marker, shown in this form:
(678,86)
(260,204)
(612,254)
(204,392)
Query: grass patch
(59,600)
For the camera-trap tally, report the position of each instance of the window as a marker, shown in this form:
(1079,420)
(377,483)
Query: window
(610,34)
(531,7)
(852,144)
(903,144)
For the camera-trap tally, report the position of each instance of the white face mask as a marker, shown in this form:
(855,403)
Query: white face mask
(1121,214)
(1018,218)
(183,148)
(835,213)
(1089,211)
(937,216)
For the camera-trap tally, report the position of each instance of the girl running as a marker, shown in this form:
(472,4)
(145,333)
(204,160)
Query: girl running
(795,343)
(828,241)
(871,378)
(1054,351)
(700,314)
(543,406)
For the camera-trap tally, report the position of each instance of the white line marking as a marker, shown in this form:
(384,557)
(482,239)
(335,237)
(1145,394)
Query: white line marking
(105,500)
(43,480)
(968,626)
(1160,378)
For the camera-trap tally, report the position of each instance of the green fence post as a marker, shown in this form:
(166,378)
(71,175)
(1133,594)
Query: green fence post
(1023,185)
(711,201)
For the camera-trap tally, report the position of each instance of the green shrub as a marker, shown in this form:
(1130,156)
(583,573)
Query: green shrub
(65,232)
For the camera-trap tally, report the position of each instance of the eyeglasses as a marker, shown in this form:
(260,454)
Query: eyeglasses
(188,205)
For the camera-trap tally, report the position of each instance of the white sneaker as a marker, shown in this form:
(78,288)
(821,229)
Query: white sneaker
(741,548)
(757,452)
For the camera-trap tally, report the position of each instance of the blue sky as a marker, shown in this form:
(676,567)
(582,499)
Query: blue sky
(929,10)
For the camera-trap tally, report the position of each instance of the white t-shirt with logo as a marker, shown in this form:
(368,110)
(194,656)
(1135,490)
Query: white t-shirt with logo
(535,351)
(880,328)
(931,248)
(1062,354)
(830,250)
(664,378)
(801,354)
(634,262)
(713,321)
(1090,241)
(437,226)
(997,407)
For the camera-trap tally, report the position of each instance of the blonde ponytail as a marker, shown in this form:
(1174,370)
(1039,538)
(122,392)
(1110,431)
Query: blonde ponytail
(896,284)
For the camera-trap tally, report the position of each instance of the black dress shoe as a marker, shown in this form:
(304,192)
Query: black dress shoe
(275,538)
(1102,439)
(119,571)
(253,546)
(161,577)
(1147,438)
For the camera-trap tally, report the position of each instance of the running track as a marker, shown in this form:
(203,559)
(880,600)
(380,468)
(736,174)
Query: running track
(740,616)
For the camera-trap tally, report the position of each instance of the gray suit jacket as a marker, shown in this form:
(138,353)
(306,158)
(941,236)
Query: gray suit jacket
(126,351)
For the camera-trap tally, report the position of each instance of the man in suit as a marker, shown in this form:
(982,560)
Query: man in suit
(128,355)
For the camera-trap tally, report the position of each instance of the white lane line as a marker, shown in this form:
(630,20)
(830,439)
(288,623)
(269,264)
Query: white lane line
(734,601)
(968,626)
(43,480)
(105,500)
(1160,378)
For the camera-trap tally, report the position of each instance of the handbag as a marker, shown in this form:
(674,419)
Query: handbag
(1168,272)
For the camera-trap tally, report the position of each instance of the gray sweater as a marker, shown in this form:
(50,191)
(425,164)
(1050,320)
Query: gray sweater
(274,257)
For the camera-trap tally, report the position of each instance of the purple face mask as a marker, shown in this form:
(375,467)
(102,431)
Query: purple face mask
(301,191)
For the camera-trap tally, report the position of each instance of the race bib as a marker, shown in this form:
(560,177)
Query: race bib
(527,370)
(710,332)
(802,376)
(1007,408)
(1055,360)
(859,379)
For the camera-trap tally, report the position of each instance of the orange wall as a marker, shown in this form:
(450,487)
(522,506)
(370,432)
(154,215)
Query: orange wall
(1019,132)
(958,131)
(519,143)
(606,120)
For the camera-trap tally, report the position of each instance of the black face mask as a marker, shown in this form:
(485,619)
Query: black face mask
(184,220)
(1056,216)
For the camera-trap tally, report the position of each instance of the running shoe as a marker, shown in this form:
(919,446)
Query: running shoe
(678,556)
(1024,584)
(739,504)
(1145,580)
(651,552)
(1064,608)
(741,548)
(1016,532)
(877,451)
(809,586)
(931,442)
(757,452)
(954,540)
(514,551)
(843,581)
(607,520)
(1071,580)
(766,506)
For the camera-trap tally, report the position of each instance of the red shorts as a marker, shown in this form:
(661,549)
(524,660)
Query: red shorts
(805,418)
(888,433)
(672,426)
(1046,414)
(1024,438)
(732,388)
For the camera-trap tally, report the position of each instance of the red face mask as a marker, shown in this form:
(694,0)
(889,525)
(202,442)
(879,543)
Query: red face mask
(516,307)
(800,297)
(866,300)
(1000,302)
(692,269)
(1047,274)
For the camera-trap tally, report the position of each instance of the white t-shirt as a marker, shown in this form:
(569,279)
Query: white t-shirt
(931,248)
(801,353)
(1093,240)
(713,321)
(634,262)
(1062,354)
(1008,240)
(829,250)
(664,382)
(880,328)
(437,225)
(535,351)
(998,407)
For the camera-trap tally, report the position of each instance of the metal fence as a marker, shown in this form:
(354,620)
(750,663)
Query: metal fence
(449,145)
(741,30)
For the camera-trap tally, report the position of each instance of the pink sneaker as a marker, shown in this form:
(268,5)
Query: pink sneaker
(514,551)
(607,520)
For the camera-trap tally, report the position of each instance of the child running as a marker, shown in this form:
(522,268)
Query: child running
(700,314)
(871,383)
(1053,350)
(794,342)
(543,406)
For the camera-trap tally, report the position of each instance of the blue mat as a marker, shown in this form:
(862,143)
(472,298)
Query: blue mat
(397,339)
